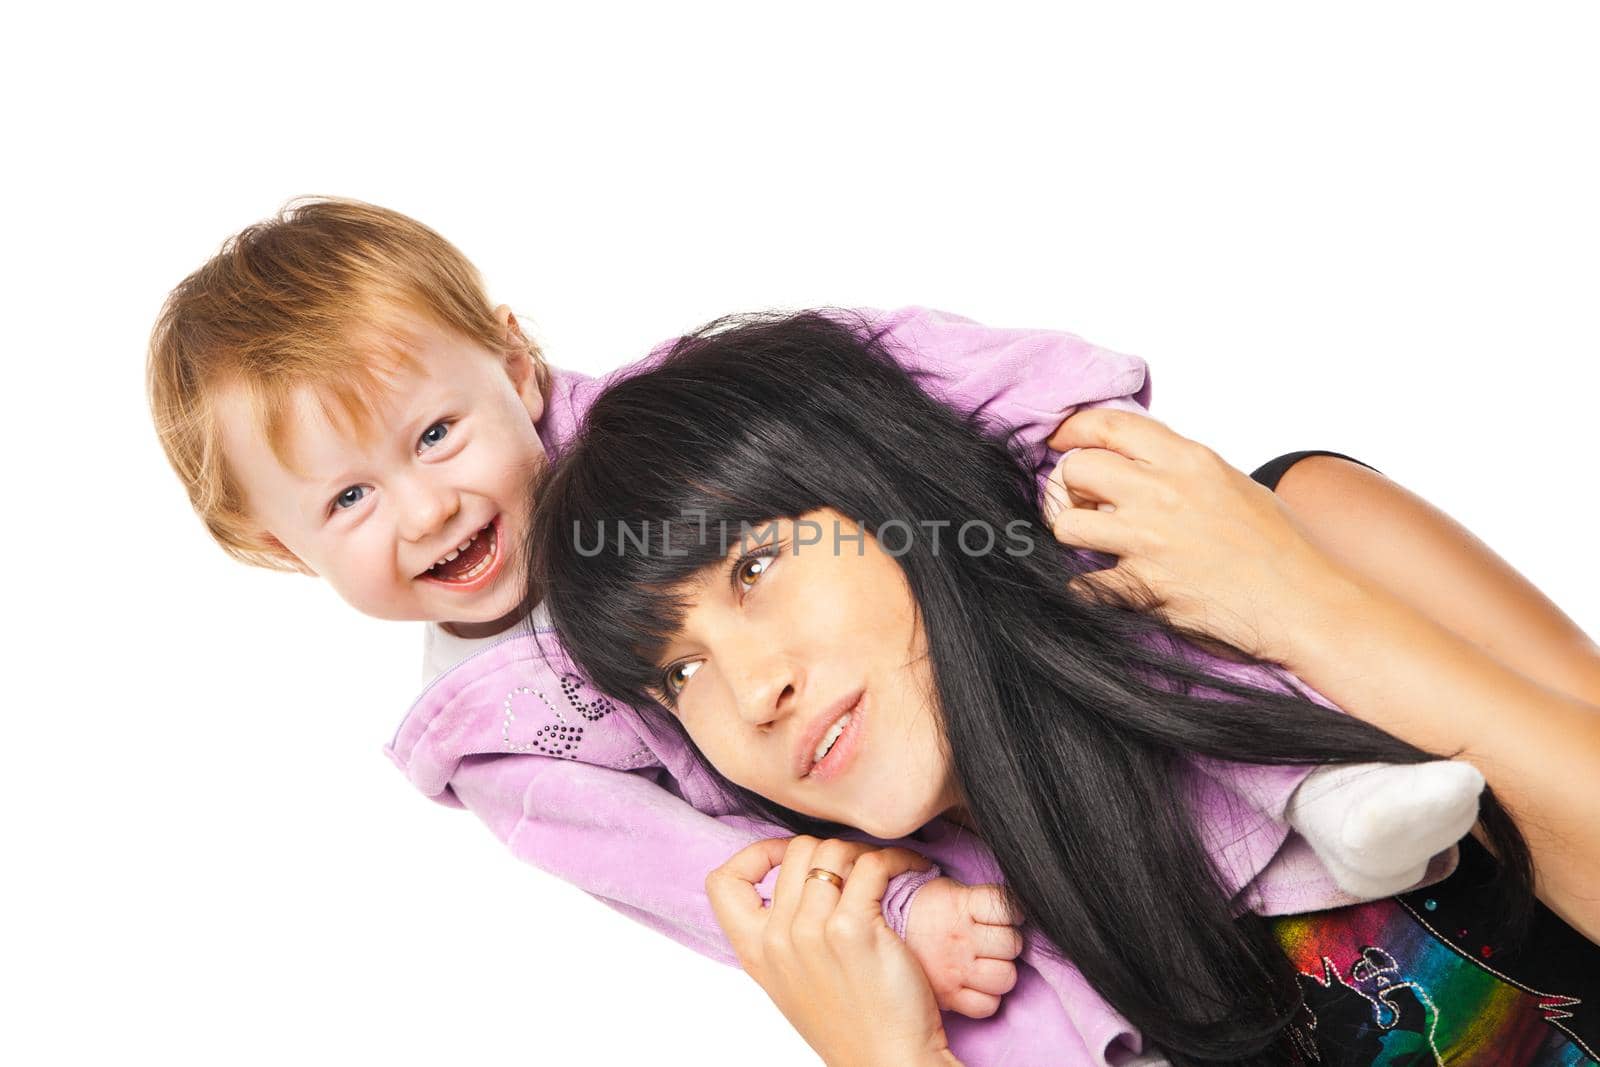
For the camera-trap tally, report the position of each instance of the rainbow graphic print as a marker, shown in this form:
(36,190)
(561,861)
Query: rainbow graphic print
(1385,987)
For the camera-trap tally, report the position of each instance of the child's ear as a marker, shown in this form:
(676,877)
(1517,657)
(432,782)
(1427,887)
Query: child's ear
(275,548)
(520,363)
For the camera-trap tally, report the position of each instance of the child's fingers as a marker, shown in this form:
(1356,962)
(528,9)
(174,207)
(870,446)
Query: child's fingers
(973,1004)
(996,942)
(995,977)
(988,904)
(731,888)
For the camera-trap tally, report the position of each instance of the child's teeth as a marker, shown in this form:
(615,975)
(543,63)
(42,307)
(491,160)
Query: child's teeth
(477,568)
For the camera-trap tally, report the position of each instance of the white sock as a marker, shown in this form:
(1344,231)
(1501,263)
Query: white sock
(1375,826)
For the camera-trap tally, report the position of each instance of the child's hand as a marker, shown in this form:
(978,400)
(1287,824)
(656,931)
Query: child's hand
(966,940)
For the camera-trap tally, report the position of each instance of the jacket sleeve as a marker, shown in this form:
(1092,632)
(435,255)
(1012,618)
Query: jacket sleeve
(1025,380)
(625,839)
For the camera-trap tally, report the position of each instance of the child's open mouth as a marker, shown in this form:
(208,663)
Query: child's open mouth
(471,564)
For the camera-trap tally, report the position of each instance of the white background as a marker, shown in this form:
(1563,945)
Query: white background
(1370,228)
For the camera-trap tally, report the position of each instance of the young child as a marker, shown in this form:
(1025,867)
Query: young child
(340,398)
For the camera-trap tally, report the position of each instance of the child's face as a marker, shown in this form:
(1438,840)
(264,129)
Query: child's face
(450,462)
(778,644)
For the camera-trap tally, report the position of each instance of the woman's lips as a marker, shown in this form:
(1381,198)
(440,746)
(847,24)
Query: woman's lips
(841,756)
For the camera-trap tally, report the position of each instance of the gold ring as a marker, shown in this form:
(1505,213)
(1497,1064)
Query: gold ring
(825,876)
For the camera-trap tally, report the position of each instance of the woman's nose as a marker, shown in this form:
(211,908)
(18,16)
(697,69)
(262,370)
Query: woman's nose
(765,684)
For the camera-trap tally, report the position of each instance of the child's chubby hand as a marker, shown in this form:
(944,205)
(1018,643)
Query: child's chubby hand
(966,939)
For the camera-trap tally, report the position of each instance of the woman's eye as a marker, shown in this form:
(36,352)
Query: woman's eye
(350,497)
(678,675)
(750,570)
(433,435)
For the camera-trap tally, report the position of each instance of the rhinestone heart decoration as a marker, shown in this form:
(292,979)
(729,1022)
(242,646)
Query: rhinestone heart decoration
(561,737)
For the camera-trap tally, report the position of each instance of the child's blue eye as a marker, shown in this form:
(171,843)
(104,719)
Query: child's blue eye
(350,497)
(433,435)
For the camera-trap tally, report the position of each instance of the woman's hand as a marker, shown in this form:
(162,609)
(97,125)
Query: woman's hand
(1197,530)
(825,956)
(1220,552)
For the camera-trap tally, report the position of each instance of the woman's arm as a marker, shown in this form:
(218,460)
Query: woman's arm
(1228,557)
(1376,528)
(1492,668)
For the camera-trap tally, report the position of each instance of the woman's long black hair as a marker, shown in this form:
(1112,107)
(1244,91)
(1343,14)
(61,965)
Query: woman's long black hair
(1067,715)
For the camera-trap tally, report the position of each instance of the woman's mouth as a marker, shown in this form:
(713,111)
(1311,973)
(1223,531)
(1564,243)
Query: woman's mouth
(472,564)
(838,746)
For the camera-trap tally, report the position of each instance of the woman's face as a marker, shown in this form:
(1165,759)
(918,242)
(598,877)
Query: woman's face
(806,622)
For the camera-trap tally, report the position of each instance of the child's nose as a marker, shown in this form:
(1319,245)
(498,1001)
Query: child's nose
(425,509)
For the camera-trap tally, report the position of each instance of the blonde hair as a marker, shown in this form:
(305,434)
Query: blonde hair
(305,301)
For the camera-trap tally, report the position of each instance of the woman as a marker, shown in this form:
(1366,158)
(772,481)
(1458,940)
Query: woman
(979,686)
